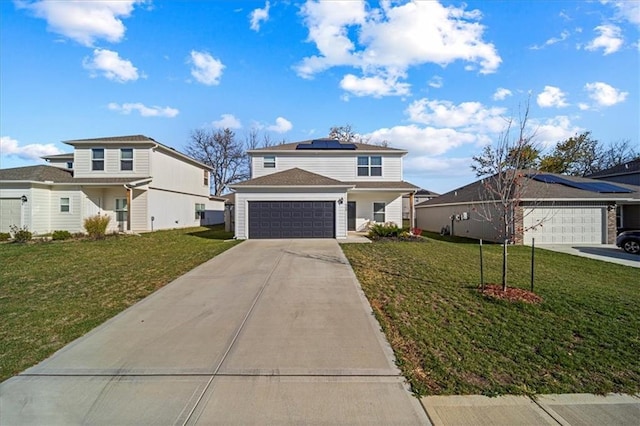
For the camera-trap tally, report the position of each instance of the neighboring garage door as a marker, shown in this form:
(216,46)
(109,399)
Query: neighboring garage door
(565,225)
(10,213)
(291,219)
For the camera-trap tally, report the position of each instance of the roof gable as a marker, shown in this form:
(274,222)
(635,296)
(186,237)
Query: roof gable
(291,177)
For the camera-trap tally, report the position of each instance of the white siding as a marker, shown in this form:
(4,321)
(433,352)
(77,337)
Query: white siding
(68,221)
(82,162)
(173,210)
(341,167)
(242,206)
(39,208)
(173,174)
(364,207)
(138,211)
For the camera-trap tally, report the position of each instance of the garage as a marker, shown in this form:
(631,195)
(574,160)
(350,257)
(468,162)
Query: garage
(564,225)
(292,219)
(10,213)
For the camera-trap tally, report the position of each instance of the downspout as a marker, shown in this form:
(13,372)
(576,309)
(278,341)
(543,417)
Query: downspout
(129,191)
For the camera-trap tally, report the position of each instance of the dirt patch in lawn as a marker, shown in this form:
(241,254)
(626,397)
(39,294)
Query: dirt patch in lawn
(511,294)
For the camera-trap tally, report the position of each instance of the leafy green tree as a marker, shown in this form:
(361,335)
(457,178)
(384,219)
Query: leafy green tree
(578,156)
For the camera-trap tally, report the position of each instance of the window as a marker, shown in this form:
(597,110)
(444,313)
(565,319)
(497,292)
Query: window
(199,211)
(121,209)
(269,162)
(126,159)
(378,212)
(69,164)
(206,178)
(64,205)
(97,159)
(370,166)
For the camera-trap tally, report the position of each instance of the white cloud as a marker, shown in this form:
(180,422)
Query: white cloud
(628,10)
(551,97)
(423,140)
(258,16)
(610,39)
(548,132)
(553,40)
(111,66)
(84,21)
(604,94)
(468,116)
(205,68)
(227,121)
(282,125)
(385,42)
(143,110)
(583,106)
(376,86)
(11,147)
(436,82)
(501,94)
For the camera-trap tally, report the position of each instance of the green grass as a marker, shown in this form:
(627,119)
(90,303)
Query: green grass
(54,292)
(450,339)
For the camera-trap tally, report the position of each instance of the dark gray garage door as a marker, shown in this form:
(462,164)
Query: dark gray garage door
(291,219)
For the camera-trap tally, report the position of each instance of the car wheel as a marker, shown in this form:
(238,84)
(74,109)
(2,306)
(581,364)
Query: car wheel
(631,246)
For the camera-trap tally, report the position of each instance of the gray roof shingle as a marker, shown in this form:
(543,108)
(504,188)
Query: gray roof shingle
(291,177)
(43,173)
(534,190)
(359,147)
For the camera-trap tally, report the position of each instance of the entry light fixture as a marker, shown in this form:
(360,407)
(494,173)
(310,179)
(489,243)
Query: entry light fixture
(24,198)
(340,200)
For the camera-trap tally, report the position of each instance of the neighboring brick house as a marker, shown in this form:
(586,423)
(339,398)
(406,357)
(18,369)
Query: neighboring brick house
(554,209)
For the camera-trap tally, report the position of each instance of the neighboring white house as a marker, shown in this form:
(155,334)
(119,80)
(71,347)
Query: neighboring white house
(319,189)
(553,209)
(141,184)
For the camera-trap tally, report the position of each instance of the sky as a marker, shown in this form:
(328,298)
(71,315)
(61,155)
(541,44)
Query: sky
(438,79)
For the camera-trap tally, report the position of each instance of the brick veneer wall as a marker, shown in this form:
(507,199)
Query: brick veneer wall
(611,225)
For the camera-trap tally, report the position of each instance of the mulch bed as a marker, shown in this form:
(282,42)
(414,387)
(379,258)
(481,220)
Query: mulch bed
(511,294)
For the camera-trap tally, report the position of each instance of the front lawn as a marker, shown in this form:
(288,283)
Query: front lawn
(53,292)
(450,339)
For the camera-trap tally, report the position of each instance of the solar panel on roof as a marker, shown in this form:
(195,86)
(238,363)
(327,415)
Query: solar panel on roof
(326,144)
(600,187)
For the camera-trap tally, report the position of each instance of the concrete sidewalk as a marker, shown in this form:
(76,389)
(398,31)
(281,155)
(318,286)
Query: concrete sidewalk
(269,332)
(570,409)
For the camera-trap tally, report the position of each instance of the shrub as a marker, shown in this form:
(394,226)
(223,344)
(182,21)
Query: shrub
(386,230)
(20,235)
(61,235)
(96,226)
(416,231)
(4,236)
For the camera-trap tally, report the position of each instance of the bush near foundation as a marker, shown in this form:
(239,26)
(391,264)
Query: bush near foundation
(96,226)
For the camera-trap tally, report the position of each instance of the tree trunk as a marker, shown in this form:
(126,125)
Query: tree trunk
(504,265)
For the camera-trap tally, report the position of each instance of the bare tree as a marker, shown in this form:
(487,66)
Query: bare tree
(503,167)
(618,152)
(225,154)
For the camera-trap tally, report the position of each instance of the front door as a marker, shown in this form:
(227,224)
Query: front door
(121,214)
(351,215)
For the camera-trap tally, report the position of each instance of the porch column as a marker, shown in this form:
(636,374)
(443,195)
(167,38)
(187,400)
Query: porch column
(411,211)
(129,191)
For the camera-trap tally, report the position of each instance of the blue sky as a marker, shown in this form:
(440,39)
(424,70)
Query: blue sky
(436,78)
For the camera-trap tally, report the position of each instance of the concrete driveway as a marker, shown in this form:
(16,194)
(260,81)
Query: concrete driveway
(605,252)
(269,332)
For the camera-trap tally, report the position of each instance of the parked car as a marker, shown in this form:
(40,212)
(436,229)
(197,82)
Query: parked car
(629,241)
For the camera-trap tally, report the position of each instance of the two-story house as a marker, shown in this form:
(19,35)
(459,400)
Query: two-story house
(319,189)
(140,183)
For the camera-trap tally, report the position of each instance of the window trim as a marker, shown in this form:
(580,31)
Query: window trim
(377,212)
(369,167)
(127,160)
(200,209)
(269,162)
(67,205)
(95,160)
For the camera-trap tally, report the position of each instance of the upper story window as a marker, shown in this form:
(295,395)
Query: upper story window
(126,159)
(206,178)
(370,166)
(69,164)
(97,158)
(269,162)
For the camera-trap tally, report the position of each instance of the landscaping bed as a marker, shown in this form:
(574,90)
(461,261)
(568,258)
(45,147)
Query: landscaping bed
(583,335)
